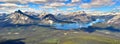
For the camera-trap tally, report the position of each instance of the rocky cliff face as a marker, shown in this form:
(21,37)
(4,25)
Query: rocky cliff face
(80,17)
(18,17)
(115,20)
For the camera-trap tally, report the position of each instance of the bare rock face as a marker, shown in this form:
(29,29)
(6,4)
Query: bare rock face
(80,17)
(18,17)
(115,20)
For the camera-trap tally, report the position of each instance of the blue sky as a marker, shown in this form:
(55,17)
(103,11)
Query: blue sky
(59,5)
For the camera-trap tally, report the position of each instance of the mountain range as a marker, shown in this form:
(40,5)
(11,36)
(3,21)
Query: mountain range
(30,18)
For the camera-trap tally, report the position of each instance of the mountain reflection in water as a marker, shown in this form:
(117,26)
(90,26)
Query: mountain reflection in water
(68,26)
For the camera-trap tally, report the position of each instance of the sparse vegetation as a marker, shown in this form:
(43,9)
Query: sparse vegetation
(89,40)
(42,35)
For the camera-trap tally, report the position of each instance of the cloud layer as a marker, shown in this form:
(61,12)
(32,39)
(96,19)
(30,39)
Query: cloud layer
(48,4)
(97,3)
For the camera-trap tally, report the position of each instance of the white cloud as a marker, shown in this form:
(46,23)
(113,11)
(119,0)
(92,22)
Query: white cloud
(11,5)
(8,4)
(101,2)
(57,4)
(11,10)
(47,7)
(33,1)
(97,3)
(23,1)
(85,5)
(71,4)
(37,1)
(61,1)
(6,10)
(69,9)
(53,5)
(75,1)
(9,1)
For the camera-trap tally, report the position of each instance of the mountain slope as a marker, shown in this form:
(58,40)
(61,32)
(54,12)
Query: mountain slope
(53,18)
(19,17)
(115,20)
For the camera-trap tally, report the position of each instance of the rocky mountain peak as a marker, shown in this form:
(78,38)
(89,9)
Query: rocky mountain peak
(19,11)
(18,17)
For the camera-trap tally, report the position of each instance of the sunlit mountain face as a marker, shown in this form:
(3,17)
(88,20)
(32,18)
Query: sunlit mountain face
(59,21)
